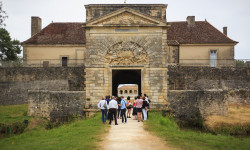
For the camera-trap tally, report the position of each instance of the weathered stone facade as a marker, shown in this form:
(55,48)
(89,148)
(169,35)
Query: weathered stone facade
(56,105)
(15,82)
(131,39)
(126,41)
(202,91)
(192,104)
(205,78)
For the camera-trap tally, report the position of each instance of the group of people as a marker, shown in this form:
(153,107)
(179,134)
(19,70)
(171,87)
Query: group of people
(116,107)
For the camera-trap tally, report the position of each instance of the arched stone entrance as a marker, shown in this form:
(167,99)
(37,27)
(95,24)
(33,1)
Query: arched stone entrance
(126,77)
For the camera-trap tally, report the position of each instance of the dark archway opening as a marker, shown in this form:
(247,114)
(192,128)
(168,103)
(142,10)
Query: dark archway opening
(125,77)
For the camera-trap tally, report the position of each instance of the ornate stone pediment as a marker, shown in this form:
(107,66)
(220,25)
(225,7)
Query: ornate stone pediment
(126,53)
(126,17)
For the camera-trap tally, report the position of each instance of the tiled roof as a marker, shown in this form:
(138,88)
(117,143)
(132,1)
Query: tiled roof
(179,33)
(200,33)
(59,33)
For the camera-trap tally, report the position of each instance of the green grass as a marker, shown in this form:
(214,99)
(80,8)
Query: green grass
(13,113)
(82,134)
(194,140)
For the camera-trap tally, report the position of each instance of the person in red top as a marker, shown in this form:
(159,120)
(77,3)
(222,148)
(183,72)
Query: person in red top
(138,104)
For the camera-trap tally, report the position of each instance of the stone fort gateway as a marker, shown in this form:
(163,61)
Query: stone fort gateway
(186,66)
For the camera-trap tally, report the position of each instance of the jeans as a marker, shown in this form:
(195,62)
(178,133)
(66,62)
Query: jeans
(104,115)
(123,114)
(144,111)
(119,113)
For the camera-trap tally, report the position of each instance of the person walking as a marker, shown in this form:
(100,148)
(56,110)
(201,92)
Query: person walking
(139,103)
(146,98)
(113,106)
(123,110)
(129,106)
(144,108)
(102,105)
(107,100)
(119,107)
(134,109)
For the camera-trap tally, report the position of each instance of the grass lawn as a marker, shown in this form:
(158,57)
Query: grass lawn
(13,113)
(187,139)
(81,134)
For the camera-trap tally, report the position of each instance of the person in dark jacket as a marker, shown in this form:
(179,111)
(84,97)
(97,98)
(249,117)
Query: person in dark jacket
(144,108)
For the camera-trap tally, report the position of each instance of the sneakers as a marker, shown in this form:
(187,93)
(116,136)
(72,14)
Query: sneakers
(116,124)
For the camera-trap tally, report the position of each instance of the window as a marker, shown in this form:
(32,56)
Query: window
(135,91)
(126,91)
(130,91)
(121,92)
(213,58)
(64,61)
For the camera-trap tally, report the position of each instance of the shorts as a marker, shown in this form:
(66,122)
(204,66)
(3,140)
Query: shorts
(128,107)
(139,109)
(134,111)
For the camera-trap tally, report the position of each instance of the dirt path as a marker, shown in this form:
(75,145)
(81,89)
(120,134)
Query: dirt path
(131,136)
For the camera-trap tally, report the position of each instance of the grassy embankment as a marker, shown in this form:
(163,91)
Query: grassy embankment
(236,123)
(81,134)
(167,128)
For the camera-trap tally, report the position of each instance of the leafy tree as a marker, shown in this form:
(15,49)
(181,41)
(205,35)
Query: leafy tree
(3,15)
(8,48)
(240,63)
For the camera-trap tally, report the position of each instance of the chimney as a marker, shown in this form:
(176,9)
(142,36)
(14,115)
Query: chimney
(191,20)
(36,25)
(225,30)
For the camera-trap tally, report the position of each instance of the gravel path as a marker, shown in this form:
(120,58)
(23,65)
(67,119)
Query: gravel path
(131,136)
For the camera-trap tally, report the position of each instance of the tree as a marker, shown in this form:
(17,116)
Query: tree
(240,63)
(3,15)
(8,48)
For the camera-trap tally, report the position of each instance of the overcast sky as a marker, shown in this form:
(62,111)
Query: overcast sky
(235,14)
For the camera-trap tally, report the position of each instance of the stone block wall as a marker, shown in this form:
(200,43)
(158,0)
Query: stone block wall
(190,105)
(239,97)
(203,91)
(204,78)
(55,105)
(15,82)
(16,93)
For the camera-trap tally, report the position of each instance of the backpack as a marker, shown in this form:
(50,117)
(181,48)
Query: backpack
(105,105)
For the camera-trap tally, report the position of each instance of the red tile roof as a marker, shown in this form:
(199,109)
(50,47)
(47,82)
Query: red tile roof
(179,33)
(200,33)
(59,33)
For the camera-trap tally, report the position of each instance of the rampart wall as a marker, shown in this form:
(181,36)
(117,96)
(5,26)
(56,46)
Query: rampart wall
(55,105)
(15,82)
(202,91)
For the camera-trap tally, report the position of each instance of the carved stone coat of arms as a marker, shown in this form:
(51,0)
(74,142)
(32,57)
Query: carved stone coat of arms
(126,53)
